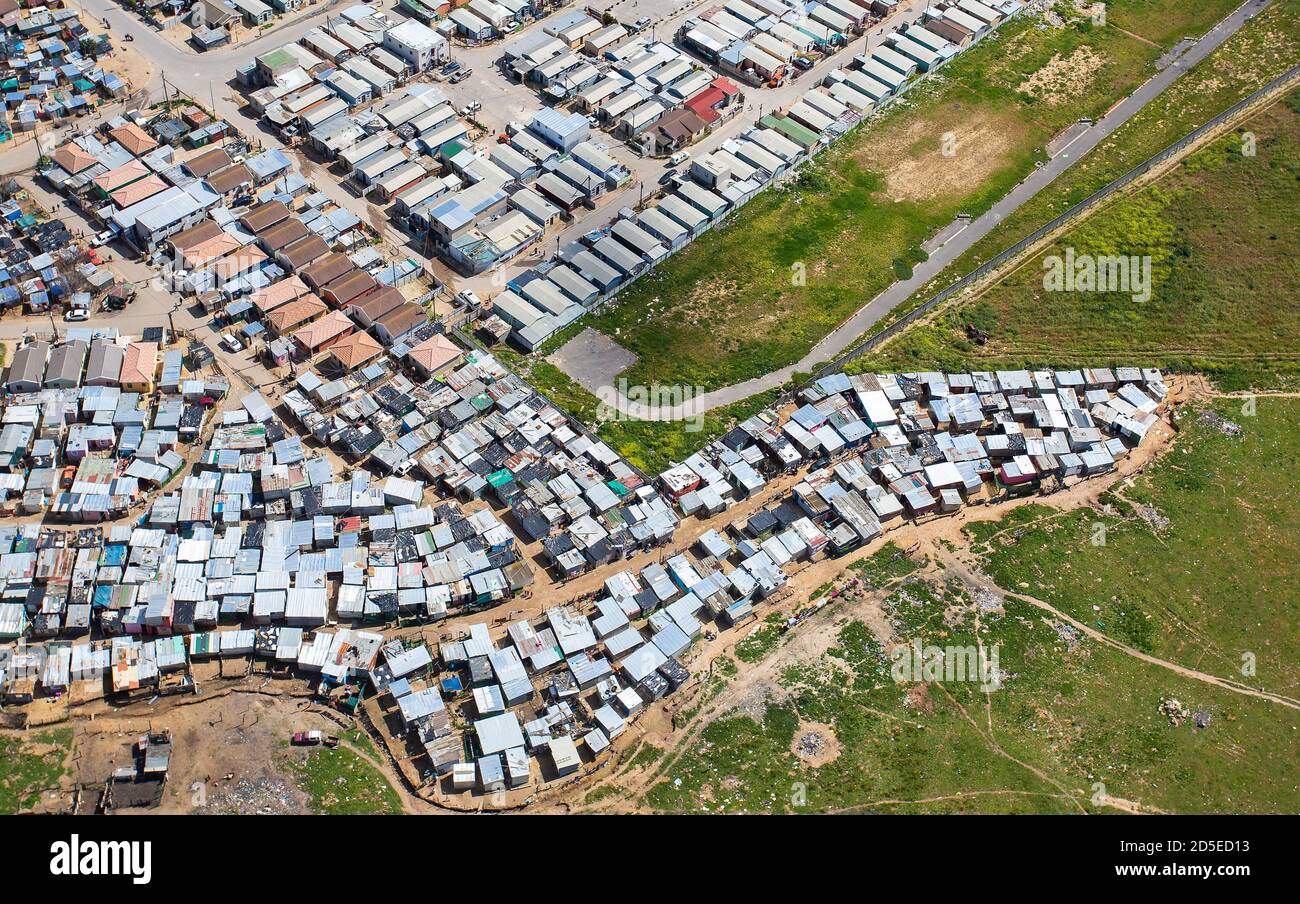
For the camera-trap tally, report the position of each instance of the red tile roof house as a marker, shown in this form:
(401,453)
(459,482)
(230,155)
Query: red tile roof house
(355,351)
(73,158)
(290,316)
(134,139)
(322,334)
(139,367)
(278,293)
(433,355)
(707,102)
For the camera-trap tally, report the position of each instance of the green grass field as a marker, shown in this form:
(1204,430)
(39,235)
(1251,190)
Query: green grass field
(1218,330)
(1217,582)
(725,309)
(29,765)
(1261,50)
(1074,718)
(651,446)
(1221,234)
(341,783)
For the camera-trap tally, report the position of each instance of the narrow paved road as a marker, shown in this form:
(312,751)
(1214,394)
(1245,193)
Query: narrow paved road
(877,308)
(205,77)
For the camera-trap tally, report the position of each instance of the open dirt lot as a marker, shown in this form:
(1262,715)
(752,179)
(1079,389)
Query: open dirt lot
(132,66)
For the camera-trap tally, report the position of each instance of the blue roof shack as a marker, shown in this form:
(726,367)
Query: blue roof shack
(170,131)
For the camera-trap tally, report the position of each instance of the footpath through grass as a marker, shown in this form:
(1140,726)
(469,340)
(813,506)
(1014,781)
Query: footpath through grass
(1220,231)
(729,308)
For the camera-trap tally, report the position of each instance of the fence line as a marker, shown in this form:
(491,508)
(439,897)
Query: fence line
(1103,193)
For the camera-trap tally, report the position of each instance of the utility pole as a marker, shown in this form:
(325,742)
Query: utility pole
(212,95)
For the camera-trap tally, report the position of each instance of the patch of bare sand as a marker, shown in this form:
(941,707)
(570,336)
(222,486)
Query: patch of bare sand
(815,744)
(918,698)
(1063,78)
(131,66)
(943,155)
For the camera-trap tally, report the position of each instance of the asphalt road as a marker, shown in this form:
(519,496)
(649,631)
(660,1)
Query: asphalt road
(205,77)
(879,307)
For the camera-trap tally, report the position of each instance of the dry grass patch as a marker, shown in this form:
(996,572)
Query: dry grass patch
(911,155)
(1064,78)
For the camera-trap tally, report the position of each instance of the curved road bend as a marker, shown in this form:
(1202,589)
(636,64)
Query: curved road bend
(873,311)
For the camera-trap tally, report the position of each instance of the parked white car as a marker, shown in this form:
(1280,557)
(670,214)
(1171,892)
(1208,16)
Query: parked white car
(679,158)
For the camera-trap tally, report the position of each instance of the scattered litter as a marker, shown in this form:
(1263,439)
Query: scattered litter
(810,745)
(1154,518)
(1067,632)
(987,600)
(1211,418)
(248,798)
(1174,711)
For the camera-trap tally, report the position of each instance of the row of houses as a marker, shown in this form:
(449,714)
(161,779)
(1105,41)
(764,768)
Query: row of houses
(541,301)
(545,299)
(654,95)
(286,272)
(758,41)
(480,21)
(913,445)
